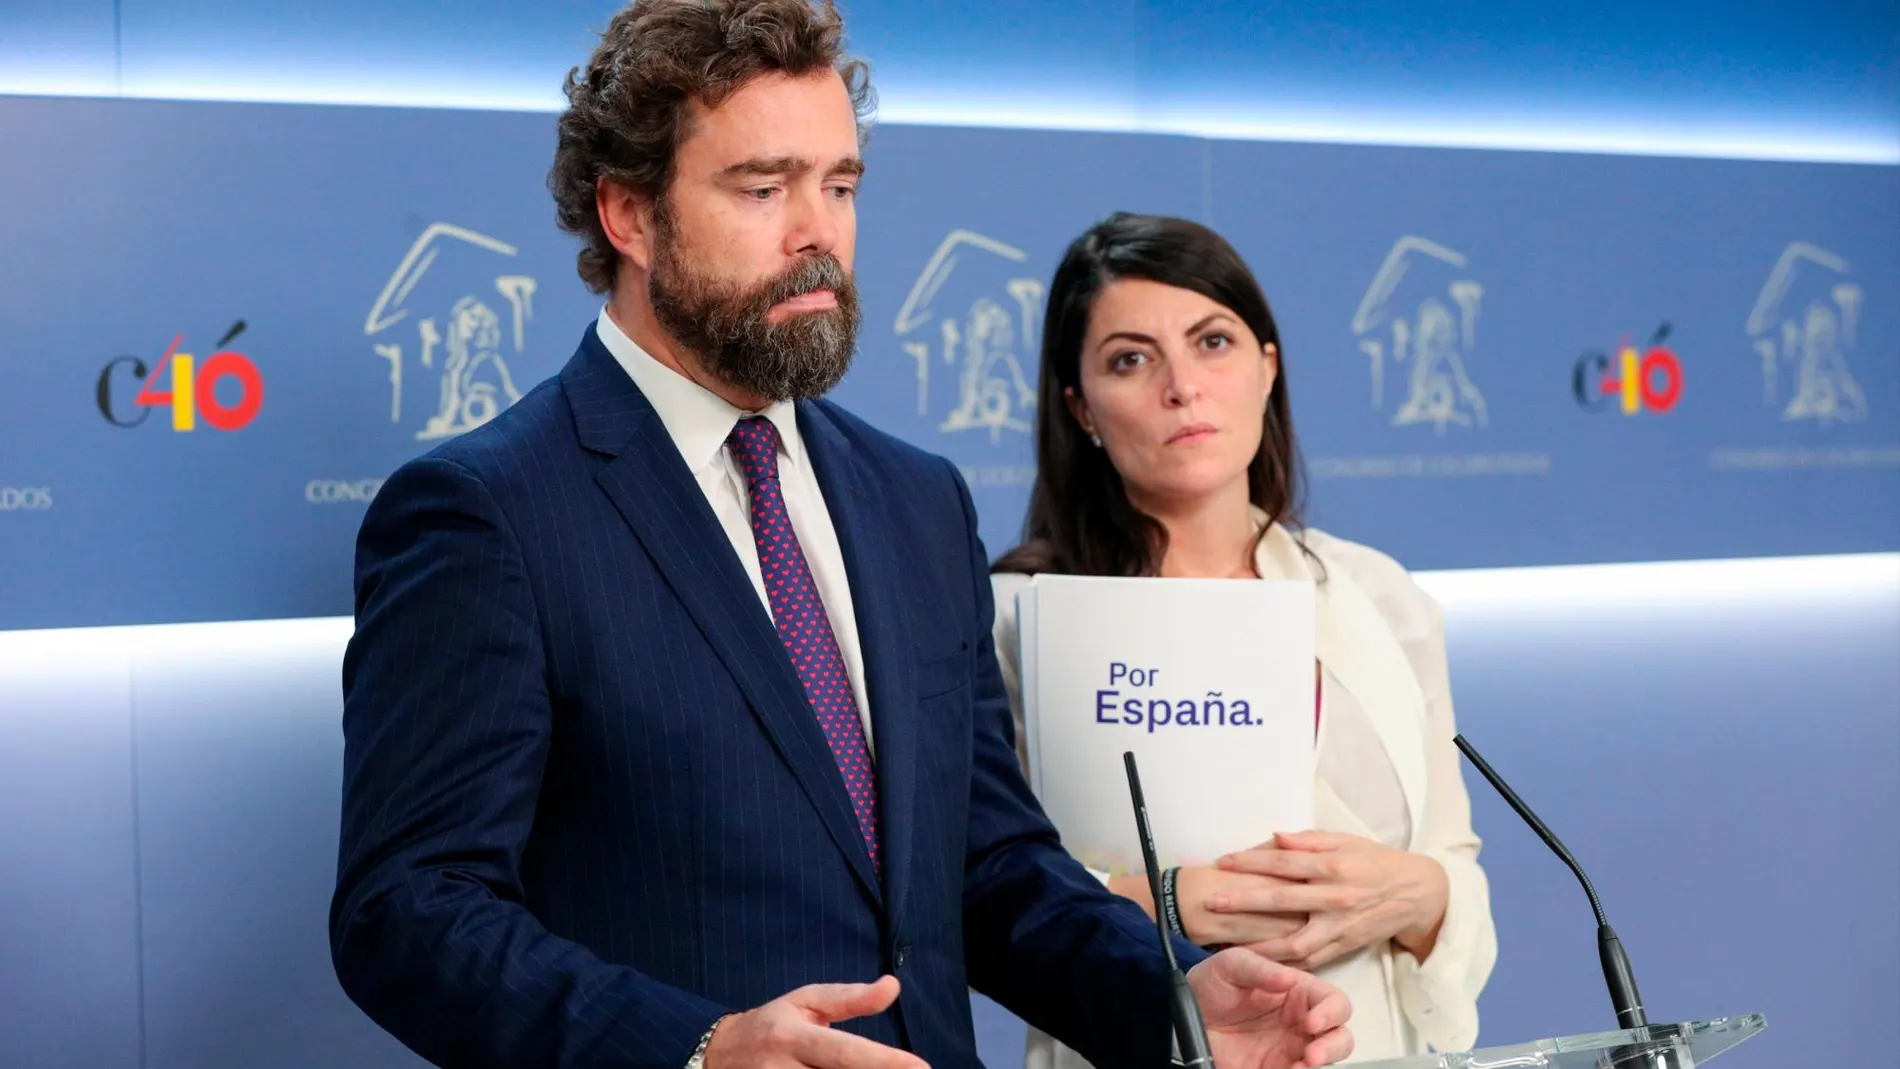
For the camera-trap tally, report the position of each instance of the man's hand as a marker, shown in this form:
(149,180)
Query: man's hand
(1264,1015)
(794,1031)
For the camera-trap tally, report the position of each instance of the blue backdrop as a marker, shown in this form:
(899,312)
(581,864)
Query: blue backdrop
(379,279)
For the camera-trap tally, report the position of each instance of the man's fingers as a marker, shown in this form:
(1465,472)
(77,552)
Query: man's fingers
(1327,1011)
(1246,969)
(828,1048)
(795,1028)
(1327,1007)
(1332,1047)
(831,1003)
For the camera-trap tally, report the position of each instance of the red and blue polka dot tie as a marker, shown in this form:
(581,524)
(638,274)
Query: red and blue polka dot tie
(802,623)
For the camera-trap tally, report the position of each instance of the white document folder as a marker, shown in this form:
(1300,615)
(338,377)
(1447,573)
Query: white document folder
(1208,681)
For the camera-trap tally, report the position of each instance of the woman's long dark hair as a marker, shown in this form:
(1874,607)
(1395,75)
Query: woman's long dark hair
(1080,520)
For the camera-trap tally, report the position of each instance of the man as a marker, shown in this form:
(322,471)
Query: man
(674,731)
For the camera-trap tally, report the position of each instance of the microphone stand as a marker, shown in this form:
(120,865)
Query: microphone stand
(1190,1031)
(1617,975)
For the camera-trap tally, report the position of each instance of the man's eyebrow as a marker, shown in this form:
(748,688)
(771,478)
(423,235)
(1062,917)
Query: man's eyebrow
(766,167)
(787,166)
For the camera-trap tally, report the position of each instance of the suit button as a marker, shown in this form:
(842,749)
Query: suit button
(903,953)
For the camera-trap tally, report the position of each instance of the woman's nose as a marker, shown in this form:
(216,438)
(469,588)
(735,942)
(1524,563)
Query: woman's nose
(1182,387)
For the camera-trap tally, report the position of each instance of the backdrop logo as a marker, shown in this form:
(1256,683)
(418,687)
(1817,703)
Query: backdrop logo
(190,390)
(25,498)
(457,338)
(341,491)
(1421,315)
(1651,380)
(1804,319)
(970,314)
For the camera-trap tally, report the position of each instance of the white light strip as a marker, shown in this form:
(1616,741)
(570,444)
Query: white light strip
(1446,126)
(1694,584)
(220,634)
(1699,584)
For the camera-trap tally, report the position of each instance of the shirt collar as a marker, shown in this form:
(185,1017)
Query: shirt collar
(697,419)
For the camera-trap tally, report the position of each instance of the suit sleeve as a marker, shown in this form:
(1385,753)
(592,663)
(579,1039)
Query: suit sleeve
(446,724)
(1042,936)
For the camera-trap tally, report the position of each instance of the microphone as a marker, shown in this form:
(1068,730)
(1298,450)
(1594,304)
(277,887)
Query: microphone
(1190,1031)
(1616,964)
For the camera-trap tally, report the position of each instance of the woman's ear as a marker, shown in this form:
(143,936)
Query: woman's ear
(1079,408)
(1271,354)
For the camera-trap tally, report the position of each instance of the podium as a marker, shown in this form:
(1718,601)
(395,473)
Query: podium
(1656,1046)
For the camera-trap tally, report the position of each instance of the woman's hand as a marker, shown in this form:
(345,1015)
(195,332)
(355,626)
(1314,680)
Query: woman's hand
(1355,893)
(1196,887)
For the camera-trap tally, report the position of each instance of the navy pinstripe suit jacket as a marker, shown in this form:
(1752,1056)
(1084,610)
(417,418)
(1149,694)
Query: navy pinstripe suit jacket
(587,807)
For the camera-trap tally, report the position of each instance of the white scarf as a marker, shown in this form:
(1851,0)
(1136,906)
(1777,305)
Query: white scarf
(1356,645)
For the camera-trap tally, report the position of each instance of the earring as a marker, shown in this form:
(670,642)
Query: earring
(1097,439)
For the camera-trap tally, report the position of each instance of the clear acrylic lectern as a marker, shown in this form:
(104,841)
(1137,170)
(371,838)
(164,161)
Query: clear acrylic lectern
(1656,1046)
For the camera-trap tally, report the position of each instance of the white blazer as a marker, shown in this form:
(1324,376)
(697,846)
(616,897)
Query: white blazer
(1381,645)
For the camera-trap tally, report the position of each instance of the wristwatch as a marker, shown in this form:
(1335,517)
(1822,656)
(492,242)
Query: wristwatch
(698,1060)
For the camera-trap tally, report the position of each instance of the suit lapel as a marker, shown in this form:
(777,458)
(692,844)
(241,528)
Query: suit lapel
(883,623)
(650,486)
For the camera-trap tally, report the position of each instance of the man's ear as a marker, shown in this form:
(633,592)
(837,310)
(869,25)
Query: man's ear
(627,217)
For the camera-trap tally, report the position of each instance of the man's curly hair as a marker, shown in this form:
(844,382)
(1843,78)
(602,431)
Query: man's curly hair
(628,110)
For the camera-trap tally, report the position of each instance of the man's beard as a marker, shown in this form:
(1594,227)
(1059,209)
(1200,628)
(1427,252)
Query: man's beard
(724,323)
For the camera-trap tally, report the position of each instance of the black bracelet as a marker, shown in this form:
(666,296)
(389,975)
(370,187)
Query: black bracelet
(1170,908)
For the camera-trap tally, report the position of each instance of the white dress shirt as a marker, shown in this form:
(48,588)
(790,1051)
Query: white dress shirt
(698,421)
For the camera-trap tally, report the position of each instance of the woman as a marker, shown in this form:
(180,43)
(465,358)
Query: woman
(1165,448)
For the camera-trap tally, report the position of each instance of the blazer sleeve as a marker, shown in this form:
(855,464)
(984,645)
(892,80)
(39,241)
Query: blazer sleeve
(1439,995)
(446,724)
(1041,935)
